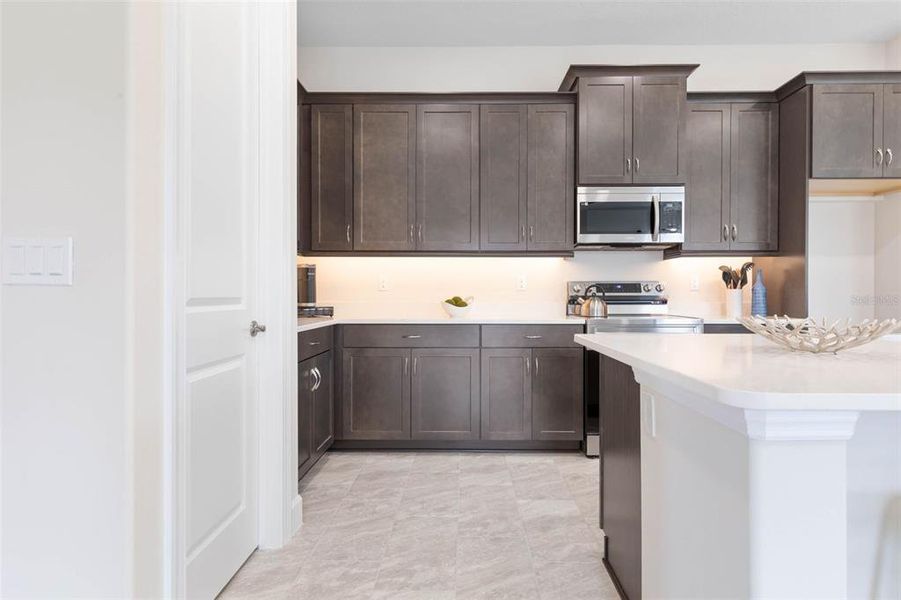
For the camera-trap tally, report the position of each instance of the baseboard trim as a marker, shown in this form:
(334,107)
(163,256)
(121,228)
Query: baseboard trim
(455,445)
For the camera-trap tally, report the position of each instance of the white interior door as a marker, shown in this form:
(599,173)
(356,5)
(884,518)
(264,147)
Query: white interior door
(218,204)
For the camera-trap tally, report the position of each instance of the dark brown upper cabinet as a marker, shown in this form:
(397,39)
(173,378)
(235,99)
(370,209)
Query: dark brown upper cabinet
(847,131)
(504,177)
(551,203)
(447,177)
(631,125)
(384,170)
(891,130)
(332,177)
(732,178)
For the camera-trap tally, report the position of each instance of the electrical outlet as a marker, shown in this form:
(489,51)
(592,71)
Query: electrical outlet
(383,285)
(521,283)
(694,284)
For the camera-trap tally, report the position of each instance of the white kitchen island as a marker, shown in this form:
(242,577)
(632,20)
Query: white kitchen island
(765,473)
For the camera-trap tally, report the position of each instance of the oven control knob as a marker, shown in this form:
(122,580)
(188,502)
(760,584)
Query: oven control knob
(646,287)
(659,287)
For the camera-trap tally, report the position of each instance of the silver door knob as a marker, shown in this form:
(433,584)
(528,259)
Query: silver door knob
(256,328)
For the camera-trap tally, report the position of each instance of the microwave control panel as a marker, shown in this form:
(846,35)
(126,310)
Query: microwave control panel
(671,217)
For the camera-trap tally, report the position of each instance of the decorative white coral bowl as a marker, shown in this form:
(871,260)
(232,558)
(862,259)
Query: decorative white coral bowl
(810,336)
(457,312)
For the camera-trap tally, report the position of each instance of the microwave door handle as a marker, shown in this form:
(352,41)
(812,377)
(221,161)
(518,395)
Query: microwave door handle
(655,230)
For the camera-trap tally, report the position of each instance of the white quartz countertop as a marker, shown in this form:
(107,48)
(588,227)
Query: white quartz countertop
(308,323)
(747,371)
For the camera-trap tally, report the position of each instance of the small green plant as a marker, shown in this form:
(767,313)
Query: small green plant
(457,301)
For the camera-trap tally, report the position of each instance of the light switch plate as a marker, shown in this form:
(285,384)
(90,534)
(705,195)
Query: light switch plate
(37,261)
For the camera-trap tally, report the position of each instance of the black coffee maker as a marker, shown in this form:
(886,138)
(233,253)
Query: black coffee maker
(306,294)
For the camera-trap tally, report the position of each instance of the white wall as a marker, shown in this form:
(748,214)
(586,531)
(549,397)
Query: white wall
(541,68)
(66,501)
(887,288)
(893,54)
(418,284)
(841,257)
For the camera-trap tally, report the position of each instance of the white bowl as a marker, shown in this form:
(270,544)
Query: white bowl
(455,312)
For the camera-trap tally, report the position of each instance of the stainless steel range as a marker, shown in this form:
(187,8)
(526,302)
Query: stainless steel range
(632,307)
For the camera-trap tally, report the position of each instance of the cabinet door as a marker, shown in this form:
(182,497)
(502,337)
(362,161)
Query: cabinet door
(384,176)
(445,394)
(605,130)
(447,177)
(506,394)
(376,394)
(847,131)
(557,393)
(503,177)
(621,473)
(305,382)
(658,146)
(551,201)
(322,406)
(892,130)
(707,186)
(332,176)
(755,177)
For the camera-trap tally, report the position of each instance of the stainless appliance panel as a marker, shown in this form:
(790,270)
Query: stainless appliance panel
(643,217)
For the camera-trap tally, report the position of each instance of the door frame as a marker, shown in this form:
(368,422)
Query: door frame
(280,506)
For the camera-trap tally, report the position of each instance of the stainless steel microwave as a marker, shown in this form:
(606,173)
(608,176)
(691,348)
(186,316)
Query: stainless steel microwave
(644,217)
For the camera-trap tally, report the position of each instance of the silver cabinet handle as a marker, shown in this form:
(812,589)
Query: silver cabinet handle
(313,343)
(522,233)
(411,233)
(734,232)
(411,337)
(406,365)
(415,361)
(637,164)
(315,379)
(533,337)
(889,156)
(318,379)
(531,233)
(536,366)
(347,233)
(628,165)
(878,156)
(420,233)
(528,367)
(256,328)
(725,232)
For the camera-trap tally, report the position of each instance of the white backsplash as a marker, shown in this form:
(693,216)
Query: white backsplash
(416,285)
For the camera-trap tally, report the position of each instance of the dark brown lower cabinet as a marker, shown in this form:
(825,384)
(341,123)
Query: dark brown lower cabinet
(621,473)
(557,393)
(445,394)
(315,419)
(376,393)
(506,394)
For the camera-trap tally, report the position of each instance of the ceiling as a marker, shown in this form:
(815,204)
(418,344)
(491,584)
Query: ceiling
(593,22)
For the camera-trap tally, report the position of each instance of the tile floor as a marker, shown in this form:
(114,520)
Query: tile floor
(439,525)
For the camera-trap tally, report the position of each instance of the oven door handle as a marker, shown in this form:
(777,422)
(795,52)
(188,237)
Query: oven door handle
(655,227)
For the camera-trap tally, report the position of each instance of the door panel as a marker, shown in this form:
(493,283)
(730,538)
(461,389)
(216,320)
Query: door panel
(217,198)
(755,176)
(305,383)
(447,177)
(621,473)
(707,185)
(506,403)
(504,176)
(332,176)
(846,131)
(376,394)
(384,176)
(551,193)
(557,411)
(892,129)
(445,394)
(605,130)
(322,406)
(659,129)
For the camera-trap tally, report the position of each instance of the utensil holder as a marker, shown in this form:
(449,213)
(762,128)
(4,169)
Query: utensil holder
(733,303)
